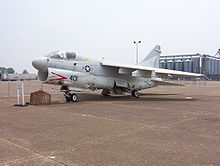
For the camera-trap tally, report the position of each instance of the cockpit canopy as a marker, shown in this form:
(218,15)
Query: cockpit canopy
(70,55)
(62,55)
(65,55)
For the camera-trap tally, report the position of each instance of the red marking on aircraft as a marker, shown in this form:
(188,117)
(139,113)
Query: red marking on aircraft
(60,76)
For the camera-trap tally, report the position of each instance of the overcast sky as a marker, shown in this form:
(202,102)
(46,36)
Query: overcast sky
(105,28)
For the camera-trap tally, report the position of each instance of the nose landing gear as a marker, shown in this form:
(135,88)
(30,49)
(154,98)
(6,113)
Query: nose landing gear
(105,92)
(71,97)
(68,94)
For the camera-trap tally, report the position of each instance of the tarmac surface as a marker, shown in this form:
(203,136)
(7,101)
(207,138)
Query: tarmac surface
(165,126)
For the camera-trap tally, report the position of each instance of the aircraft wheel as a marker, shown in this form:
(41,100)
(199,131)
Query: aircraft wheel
(105,92)
(74,97)
(135,93)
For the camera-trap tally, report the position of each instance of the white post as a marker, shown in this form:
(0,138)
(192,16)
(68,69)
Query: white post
(22,92)
(136,53)
(136,44)
(200,64)
(18,93)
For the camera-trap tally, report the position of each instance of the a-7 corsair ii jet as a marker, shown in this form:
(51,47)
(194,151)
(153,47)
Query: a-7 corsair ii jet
(76,73)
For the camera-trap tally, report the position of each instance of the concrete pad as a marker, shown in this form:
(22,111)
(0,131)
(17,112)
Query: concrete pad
(145,147)
(11,151)
(38,161)
(162,127)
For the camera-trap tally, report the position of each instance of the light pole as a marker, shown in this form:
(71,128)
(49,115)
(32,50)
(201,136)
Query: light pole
(136,43)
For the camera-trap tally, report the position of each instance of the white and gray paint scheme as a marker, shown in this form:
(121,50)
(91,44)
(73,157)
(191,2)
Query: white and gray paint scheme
(77,73)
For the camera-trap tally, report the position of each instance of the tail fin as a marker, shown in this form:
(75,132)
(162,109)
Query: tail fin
(152,59)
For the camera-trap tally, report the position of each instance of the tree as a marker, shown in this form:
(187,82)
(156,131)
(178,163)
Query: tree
(25,71)
(2,69)
(10,70)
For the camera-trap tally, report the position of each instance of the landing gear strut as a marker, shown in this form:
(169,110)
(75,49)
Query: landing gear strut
(135,93)
(68,99)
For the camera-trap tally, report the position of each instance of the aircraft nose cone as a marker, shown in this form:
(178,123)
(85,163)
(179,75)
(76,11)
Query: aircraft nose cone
(39,64)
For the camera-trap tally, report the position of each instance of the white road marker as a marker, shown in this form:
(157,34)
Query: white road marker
(52,157)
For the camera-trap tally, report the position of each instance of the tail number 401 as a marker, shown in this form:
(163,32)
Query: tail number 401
(74,77)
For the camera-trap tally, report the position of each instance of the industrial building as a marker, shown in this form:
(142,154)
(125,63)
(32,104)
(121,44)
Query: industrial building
(16,76)
(7,74)
(196,63)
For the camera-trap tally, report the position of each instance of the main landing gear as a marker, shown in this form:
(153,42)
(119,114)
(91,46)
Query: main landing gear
(135,93)
(105,92)
(71,97)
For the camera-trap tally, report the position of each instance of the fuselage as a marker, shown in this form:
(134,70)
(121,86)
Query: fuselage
(69,69)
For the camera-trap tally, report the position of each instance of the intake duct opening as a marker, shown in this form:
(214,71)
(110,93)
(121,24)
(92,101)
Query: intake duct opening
(43,75)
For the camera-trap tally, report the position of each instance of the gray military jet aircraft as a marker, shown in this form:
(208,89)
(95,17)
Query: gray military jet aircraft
(76,73)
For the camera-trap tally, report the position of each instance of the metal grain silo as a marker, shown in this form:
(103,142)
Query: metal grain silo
(163,64)
(188,65)
(179,65)
(209,67)
(215,66)
(204,65)
(195,66)
(212,65)
(218,67)
(170,64)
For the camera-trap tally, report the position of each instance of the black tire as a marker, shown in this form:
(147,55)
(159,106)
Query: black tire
(74,97)
(135,94)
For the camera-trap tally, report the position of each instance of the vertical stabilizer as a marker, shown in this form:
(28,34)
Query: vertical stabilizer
(152,59)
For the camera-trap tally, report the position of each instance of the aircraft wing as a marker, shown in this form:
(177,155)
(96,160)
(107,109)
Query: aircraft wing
(144,71)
